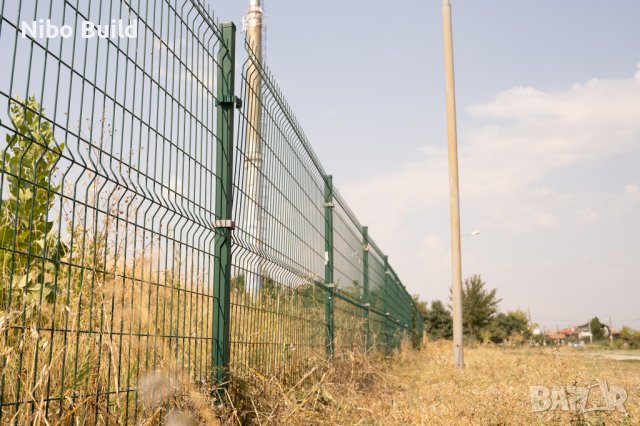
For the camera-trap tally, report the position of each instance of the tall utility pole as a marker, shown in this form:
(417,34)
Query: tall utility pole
(458,349)
(253,150)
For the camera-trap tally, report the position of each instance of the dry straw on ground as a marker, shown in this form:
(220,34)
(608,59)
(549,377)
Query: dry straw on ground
(421,388)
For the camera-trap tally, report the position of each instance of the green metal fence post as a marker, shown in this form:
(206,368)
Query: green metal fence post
(328,265)
(223,204)
(365,283)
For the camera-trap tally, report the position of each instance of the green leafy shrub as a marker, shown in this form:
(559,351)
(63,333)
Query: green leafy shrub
(31,253)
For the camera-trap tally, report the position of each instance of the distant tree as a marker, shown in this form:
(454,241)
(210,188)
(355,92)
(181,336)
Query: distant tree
(270,288)
(479,306)
(630,336)
(421,305)
(438,321)
(237,283)
(627,333)
(596,329)
(512,327)
(422,308)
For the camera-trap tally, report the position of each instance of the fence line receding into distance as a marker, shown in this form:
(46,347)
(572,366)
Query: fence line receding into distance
(164,222)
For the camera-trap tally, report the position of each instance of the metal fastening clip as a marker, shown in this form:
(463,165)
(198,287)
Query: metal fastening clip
(224,224)
(227,100)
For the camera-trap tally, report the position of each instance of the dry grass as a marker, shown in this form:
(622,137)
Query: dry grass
(408,388)
(107,316)
(128,342)
(112,357)
(421,388)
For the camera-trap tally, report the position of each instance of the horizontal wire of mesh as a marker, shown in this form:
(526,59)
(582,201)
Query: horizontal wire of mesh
(107,201)
(277,310)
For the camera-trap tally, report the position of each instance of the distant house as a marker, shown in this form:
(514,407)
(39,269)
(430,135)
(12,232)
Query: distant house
(585,331)
(571,333)
(557,337)
(581,332)
(561,337)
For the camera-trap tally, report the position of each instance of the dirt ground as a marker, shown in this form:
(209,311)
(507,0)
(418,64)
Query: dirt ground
(618,355)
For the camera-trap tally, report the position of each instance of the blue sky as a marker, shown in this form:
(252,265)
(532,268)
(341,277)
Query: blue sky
(548,104)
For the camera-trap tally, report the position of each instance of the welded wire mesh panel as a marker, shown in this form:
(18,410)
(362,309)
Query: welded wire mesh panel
(115,201)
(377,281)
(348,250)
(381,336)
(394,301)
(399,305)
(349,319)
(389,297)
(107,188)
(278,311)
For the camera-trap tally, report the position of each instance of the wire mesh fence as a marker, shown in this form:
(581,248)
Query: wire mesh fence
(158,233)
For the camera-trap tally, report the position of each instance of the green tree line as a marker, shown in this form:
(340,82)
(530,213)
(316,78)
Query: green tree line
(482,319)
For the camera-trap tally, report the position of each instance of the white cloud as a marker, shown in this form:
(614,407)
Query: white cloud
(544,220)
(632,189)
(536,133)
(587,215)
(523,133)
(545,191)
(508,150)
